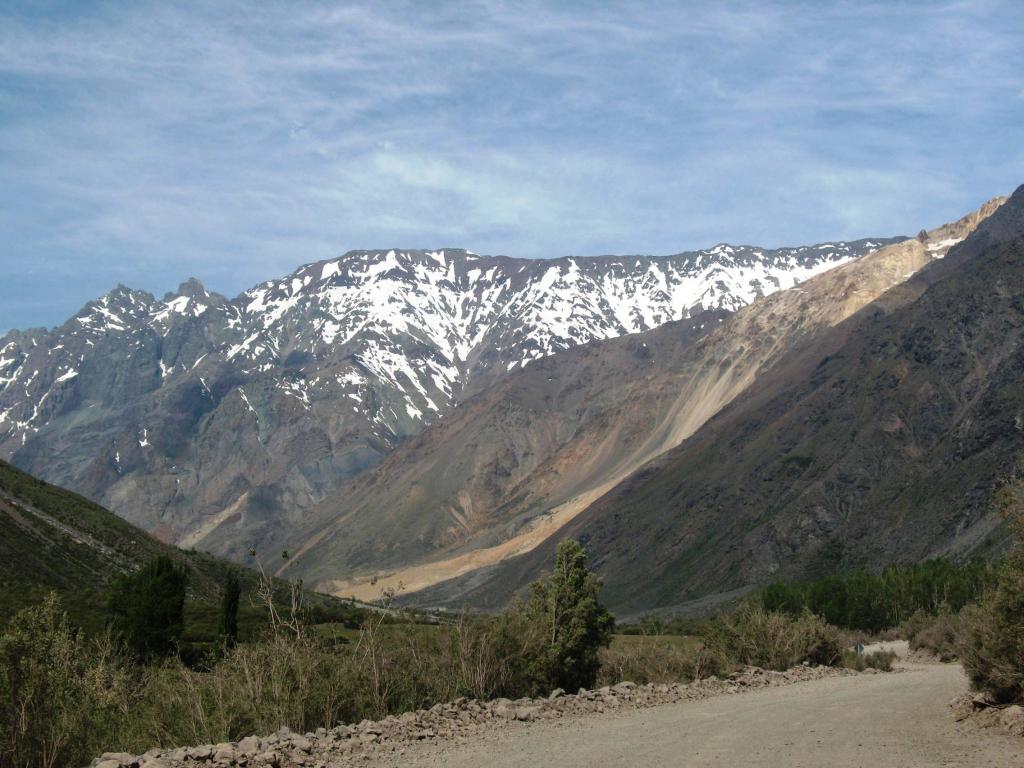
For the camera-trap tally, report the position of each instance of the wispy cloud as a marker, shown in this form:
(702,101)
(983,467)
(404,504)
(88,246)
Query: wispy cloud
(142,142)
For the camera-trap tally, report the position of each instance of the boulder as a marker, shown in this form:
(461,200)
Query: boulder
(1012,720)
(250,745)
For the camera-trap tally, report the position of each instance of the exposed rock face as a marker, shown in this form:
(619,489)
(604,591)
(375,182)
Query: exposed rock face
(509,467)
(455,721)
(880,441)
(213,422)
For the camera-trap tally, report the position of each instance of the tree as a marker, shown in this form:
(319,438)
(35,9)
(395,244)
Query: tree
(62,697)
(147,608)
(229,609)
(574,622)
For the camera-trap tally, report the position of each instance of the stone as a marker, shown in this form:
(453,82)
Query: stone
(250,745)
(504,708)
(527,714)
(981,700)
(109,764)
(204,752)
(224,752)
(121,758)
(556,694)
(1012,719)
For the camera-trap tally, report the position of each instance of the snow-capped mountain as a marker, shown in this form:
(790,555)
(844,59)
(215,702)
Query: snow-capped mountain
(201,417)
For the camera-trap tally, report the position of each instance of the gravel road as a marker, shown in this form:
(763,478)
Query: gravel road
(899,720)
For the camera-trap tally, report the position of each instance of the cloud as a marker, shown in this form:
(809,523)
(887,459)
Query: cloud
(140,142)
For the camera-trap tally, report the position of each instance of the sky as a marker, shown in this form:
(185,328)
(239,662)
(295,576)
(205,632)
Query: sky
(146,142)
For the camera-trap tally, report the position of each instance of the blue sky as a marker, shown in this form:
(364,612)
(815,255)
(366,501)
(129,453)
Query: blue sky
(146,142)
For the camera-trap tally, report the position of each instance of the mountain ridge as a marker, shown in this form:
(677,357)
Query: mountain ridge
(882,442)
(210,421)
(504,469)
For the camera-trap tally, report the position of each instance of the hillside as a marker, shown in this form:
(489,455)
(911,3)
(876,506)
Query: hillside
(510,466)
(54,540)
(881,442)
(215,422)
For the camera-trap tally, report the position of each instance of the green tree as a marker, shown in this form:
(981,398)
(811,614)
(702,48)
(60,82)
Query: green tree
(63,698)
(229,609)
(574,624)
(992,648)
(147,608)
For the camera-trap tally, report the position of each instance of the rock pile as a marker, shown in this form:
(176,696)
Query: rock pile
(979,710)
(456,721)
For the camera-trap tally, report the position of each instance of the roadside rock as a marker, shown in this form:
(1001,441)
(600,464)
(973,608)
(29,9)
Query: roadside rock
(354,744)
(1012,720)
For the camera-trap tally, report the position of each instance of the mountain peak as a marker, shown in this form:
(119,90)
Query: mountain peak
(193,288)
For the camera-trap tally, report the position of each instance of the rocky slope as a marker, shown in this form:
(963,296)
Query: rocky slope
(882,440)
(215,422)
(509,467)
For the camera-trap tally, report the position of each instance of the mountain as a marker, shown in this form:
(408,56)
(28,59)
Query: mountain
(883,440)
(218,423)
(510,466)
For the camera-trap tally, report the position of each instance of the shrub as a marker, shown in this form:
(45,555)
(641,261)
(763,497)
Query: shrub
(938,635)
(992,644)
(147,607)
(656,660)
(880,660)
(62,699)
(774,640)
(992,641)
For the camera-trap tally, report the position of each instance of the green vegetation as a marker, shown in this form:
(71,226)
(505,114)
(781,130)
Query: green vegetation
(62,697)
(52,540)
(772,640)
(229,609)
(880,660)
(147,608)
(875,602)
(992,632)
(566,622)
(88,696)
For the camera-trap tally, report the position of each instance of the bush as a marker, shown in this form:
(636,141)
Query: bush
(656,660)
(992,643)
(62,699)
(992,633)
(774,640)
(938,635)
(880,660)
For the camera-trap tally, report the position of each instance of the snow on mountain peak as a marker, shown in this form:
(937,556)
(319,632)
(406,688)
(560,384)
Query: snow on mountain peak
(403,333)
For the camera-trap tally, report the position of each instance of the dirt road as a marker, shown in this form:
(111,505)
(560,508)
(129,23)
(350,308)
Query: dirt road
(898,720)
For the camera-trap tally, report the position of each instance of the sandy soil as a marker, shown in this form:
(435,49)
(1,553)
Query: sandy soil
(899,720)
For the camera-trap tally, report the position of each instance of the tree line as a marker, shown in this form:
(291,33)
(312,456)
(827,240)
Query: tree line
(877,601)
